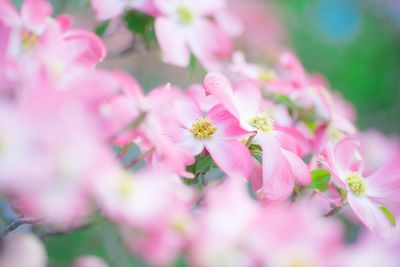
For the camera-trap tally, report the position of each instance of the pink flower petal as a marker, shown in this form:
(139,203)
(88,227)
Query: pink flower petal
(9,14)
(218,85)
(250,99)
(231,156)
(34,13)
(371,216)
(299,168)
(345,153)
(384,184)
(187,111)
(207,7)
(278,177)
(227,125)
(185,139)
(209,43)
(172,43)
(107,9)
(88,47)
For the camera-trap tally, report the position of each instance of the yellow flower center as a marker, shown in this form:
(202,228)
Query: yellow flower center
(355,181)
(185,15)
(29,40)
(203,128)
(124,185)
(266,75)
(262,122)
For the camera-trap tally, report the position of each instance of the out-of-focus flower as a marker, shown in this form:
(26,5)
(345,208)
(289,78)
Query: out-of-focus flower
(22,249)
(369,195)
(155,230)
(377,149)
(184,28)
(264,236)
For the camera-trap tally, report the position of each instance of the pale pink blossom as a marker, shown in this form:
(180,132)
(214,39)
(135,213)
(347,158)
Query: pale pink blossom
(366,194)
(184,28)
(281,162)
(217,132)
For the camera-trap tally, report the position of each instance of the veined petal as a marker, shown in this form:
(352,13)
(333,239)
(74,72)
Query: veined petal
(299,168)
(185,139)
(384,184)
(231,156)
(250,99)
(346,153)
(277,174)
(227,125)
(88,48)
(187,111)
(218,85)
(371,216)
(172,43)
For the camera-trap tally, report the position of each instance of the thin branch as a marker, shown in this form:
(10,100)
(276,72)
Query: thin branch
(14,225)
(333,211)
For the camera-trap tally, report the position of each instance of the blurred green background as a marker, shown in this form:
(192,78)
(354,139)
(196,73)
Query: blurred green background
(356,45)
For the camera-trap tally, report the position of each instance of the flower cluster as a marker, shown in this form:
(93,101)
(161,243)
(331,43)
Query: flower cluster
(238,170)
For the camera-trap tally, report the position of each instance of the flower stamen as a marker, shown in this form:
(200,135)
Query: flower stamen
(203,128)
(262,122)
(356,183)
(185,15)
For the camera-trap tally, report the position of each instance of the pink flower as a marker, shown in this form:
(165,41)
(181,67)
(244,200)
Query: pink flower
(34,16)
(217,132)
(151,209)
(281,161)
(183,28)
(365,194)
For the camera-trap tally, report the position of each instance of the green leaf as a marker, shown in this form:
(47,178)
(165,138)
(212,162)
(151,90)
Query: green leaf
(141,24)
(256,152)
(320,179)
(203,164)
(102,28)
(389,215)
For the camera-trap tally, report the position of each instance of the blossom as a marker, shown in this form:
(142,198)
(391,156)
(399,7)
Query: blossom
(368,195)
(217,131)
(281,161)
(182,28)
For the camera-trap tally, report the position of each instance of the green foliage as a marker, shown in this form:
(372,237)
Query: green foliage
(320,179)
(256,152)
(102,28)
(141,24)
